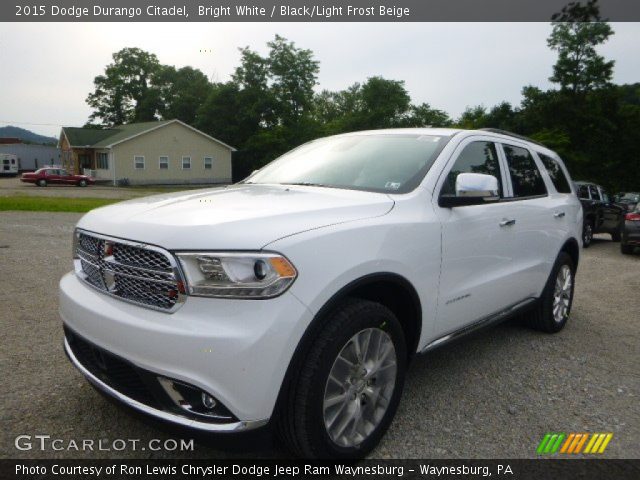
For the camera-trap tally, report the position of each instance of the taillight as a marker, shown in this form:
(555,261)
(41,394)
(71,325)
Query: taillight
(632,217)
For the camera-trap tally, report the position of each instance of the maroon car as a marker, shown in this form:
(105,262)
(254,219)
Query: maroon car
(46,176)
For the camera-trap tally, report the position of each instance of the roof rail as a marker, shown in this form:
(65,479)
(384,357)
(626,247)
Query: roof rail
(511,134)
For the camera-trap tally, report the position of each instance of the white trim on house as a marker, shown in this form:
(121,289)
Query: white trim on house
(112,158)
(183,158)
(160,162)
(164,124)
(135,163)
(204,163)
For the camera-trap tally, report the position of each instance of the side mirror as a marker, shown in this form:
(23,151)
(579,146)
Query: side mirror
(472,189)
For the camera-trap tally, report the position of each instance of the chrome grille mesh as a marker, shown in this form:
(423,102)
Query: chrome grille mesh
(137,273)
(135,256)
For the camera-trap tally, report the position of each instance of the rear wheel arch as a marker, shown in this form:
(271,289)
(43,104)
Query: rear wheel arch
(572,247)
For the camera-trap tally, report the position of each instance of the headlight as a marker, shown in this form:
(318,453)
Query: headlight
(237,275)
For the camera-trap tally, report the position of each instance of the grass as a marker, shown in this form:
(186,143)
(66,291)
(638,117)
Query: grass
(53,204)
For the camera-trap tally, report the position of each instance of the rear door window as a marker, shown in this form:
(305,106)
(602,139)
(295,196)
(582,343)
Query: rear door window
(583,192)
(558,177)
(525,176)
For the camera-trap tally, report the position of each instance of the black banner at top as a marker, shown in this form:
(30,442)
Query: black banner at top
(302,10)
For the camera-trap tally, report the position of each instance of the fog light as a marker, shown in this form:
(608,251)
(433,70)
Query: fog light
(208,401)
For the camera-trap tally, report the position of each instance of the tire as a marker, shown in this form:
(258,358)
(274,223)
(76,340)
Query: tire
(543,317)
(587,234)
(626,249)
(308,421)
(41,183)
(82,183)
(616,235)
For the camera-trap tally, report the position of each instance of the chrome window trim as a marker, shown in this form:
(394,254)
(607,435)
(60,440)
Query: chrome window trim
(176,270)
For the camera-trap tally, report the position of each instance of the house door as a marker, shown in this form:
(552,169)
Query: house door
(85,162)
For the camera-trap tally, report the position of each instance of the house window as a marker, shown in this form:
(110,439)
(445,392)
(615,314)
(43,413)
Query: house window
(186,163)
(208,163)
(138,162)
(103,161)
(164,163)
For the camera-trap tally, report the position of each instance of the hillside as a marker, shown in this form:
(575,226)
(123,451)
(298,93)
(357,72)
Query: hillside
(26,136)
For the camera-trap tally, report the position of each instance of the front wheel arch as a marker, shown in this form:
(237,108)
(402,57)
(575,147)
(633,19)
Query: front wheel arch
(363,287)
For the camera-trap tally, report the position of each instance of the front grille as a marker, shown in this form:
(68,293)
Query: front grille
(136,273)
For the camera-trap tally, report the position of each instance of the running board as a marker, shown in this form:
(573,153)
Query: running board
(480,324)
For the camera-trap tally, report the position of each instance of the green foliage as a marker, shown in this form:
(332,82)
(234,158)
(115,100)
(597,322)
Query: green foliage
(577,30)
(269,106)
(182,92)
(52,204)
(472,117)
(127,92)
(424,115)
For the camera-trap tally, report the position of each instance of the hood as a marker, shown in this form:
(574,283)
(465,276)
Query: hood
(238,217)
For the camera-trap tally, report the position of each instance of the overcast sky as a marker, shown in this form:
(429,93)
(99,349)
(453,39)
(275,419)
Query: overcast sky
(48,69)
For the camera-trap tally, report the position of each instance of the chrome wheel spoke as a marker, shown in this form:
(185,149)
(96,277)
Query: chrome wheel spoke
(337,399)
(359,387)
(562,293)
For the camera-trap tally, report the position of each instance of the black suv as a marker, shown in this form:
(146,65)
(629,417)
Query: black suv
(601,214)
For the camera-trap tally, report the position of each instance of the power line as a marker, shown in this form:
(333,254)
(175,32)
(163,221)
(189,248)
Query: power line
(11,122)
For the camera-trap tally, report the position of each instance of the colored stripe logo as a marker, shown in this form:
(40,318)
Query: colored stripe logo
(573,443)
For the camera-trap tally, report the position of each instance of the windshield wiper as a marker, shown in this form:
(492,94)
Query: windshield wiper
(307,184)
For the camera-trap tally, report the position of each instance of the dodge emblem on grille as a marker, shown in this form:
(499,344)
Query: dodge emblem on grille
(108,249)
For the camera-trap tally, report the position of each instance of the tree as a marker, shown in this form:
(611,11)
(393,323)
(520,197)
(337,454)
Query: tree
(473,117)
(127,92)
(220,114)
(577,30)
(424,115)
(183,92)
(293,73)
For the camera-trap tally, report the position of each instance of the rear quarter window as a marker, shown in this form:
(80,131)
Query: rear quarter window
(558,177)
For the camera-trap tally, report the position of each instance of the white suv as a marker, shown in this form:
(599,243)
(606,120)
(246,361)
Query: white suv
(298,296)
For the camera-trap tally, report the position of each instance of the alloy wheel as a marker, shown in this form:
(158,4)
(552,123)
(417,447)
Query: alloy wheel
(587,235)
(562,294)
(360,386)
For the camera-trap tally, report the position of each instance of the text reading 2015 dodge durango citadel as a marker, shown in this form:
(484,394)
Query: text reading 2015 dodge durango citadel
(298,296)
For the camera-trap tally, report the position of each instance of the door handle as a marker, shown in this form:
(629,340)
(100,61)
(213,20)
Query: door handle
(558,214)
(506,223)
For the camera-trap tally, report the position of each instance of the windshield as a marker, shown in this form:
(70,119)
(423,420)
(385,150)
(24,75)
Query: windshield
(380,163)
(630,197)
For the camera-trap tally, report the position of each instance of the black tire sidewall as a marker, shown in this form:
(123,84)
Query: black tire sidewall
(82,183)
(42,183)
(375,318)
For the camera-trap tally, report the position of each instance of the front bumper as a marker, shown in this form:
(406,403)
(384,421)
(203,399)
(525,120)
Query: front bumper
(238,351)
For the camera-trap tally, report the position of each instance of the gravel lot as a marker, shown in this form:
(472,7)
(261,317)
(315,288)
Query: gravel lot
(490,396)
